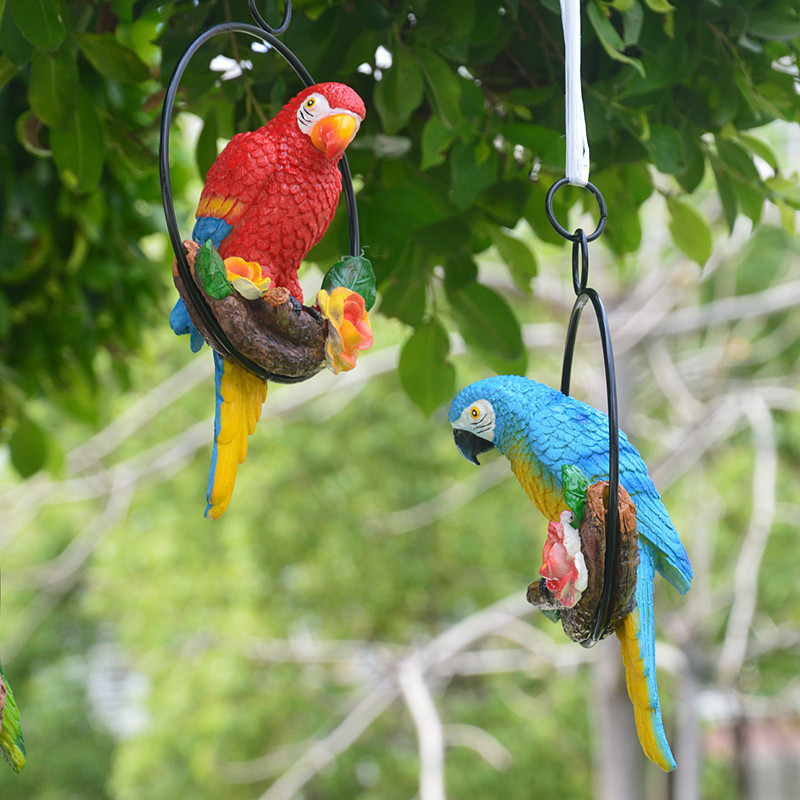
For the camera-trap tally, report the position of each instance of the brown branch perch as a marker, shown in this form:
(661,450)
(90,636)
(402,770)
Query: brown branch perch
(274,331)
(578,621)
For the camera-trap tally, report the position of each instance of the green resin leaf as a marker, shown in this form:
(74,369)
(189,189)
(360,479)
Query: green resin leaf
(211,271)
(575,486)
(354,273)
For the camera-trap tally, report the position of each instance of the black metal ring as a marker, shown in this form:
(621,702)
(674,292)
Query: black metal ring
(198,298)
(262,23)
(601,203)
(613,544)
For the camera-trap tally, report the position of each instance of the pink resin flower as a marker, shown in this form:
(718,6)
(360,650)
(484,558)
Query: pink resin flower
(563,566)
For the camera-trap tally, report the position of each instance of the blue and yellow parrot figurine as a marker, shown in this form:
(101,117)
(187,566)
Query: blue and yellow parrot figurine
(540,430)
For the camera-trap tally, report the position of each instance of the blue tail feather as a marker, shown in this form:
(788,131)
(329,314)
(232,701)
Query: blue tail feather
(646,637)
(181,323)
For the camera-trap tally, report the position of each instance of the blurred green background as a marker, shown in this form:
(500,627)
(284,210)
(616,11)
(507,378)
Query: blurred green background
(360,607)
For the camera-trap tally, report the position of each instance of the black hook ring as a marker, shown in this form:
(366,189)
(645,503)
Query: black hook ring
(613,545)
(580,246)
(198,297)
(548,206)
(262,23)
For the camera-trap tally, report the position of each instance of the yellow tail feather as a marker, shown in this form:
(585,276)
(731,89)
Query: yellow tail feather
(637,690)
(243,395)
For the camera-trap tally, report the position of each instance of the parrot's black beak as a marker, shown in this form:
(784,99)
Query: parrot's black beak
(470,446)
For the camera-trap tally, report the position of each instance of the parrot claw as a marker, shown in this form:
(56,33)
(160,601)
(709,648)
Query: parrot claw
(315,313)
(297,306)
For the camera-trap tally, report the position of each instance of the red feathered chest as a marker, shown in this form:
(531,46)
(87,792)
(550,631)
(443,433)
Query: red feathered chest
(279,193)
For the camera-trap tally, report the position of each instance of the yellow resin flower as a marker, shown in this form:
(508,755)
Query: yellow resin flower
(349,331)
(247,277)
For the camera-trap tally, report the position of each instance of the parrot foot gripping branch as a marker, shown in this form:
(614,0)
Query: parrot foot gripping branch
(267,200)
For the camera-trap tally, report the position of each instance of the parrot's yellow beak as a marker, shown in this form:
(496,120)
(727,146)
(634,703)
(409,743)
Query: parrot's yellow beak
(332,134)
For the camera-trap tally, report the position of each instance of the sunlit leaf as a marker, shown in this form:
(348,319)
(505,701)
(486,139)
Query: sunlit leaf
(400,90)
(7,71)
(727,194)
(690,230)
(27,446)
(610,39)
(31,133)
(487,319)
(436,138)
(520,259)
(78,147)
(666,146)
(425,374)
(112,59)
(51,91)
(771,25)
(444,86)
(14,46)
(659,6)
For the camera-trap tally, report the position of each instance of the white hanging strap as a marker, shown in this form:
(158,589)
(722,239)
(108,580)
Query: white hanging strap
(577,143)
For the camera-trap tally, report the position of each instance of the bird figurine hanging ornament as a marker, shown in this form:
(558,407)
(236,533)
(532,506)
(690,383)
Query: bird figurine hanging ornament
(267,200)
(556,445)
(608,531)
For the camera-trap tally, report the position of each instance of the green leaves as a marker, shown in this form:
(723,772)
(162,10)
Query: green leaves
(424,372)
(444,87)
(690,230)
(27,446)
(400,90)
(212,273)
(112,59)
(666,147)
(612,42)
(520,259)
(436,138)
(7,71)
(487,320)
(51,91)
(40,22)
(78,147)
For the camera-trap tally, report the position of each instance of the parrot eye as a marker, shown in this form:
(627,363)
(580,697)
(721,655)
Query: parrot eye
(311,111)
(479,418)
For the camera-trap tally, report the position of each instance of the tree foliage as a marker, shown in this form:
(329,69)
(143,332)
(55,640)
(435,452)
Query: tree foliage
(353,547)
(471,102)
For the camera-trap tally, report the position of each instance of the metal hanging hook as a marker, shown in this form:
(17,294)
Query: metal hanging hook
(560,229)
(584,294)
(262,23)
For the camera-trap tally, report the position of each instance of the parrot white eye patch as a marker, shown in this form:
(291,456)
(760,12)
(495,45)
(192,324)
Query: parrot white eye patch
(311,110)
(478,418)
(314,108)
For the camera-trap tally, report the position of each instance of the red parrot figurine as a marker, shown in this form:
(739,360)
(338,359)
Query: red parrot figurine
(268,199)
